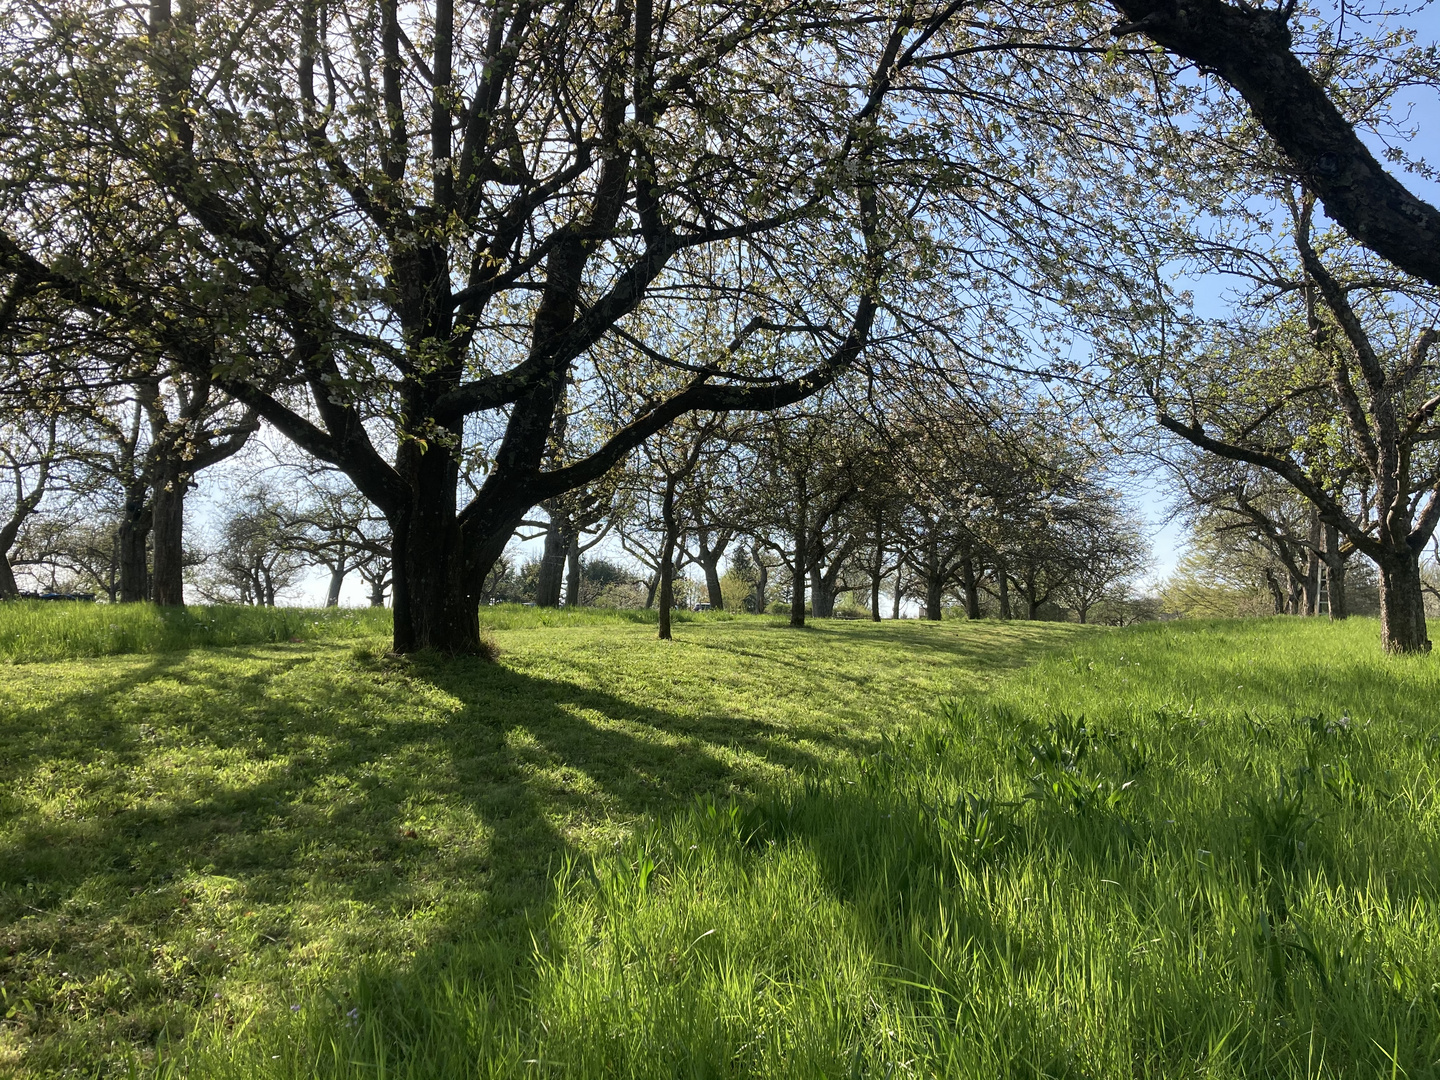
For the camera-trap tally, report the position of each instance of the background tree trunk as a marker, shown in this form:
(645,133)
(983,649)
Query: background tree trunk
(802,550)
(667,559)
(572,575)
(1335,567)
(551,578)
(337,579)
(970,581)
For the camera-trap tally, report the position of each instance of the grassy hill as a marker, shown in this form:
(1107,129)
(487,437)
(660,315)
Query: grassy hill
(907,849)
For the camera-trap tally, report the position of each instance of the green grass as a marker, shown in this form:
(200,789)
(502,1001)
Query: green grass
(36,630)
(963,850)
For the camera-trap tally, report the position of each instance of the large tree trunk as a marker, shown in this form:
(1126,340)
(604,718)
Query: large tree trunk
(970,581)
(895,599)
(8,587)
(712,584)
(822,591)
(1032,601)
(933,600)
(133,540)
(1002,589)
(651,588)
(572,573)
(431,583)
(710,563)
(1402,605)
(168,527)
(762,582)
(934,584)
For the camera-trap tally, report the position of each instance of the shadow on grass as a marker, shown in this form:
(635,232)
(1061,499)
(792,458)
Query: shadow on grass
(166,822)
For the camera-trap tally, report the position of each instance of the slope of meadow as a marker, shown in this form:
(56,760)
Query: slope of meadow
(960,849)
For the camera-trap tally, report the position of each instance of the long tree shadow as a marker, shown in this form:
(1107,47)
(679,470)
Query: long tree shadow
(237,812)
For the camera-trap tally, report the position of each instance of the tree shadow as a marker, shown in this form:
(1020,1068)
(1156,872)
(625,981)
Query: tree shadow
(222,812)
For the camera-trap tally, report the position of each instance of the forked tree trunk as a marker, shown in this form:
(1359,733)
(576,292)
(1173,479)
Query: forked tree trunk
(168,528)
(1402,605)
(895,599)
(933,598)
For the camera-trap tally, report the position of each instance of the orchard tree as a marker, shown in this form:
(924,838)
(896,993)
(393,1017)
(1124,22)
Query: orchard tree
(446,218)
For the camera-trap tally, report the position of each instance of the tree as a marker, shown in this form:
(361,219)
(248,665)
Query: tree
(26,459)
(1339,386)
(336,527)
(1251,49)
(444,221)
(258,553)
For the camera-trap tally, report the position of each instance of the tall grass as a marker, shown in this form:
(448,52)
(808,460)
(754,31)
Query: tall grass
(1201,850)
(36,630)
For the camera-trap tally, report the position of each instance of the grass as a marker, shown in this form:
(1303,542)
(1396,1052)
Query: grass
(1021,850)
(39,630)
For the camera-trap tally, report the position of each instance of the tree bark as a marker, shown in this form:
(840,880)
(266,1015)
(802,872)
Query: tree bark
(762,583)
(895,600)
(667,559)
(1277,595)
(1250,48)
(551,579)
(801,555)
(822,592)
(1335,567)
(1402,605)
(133,538)
(337,579)
(168,527)
(970,581)
(1312,566)
(572,573)
(877,569)
(1002,589)
(710,563)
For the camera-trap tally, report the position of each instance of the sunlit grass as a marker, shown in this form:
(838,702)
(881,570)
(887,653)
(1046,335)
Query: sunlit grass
(35,630)
(932,850)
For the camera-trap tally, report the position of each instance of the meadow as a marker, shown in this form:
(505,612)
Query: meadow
(906,849)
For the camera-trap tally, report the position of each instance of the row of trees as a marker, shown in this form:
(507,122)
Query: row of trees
(950,508)
(473,259)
